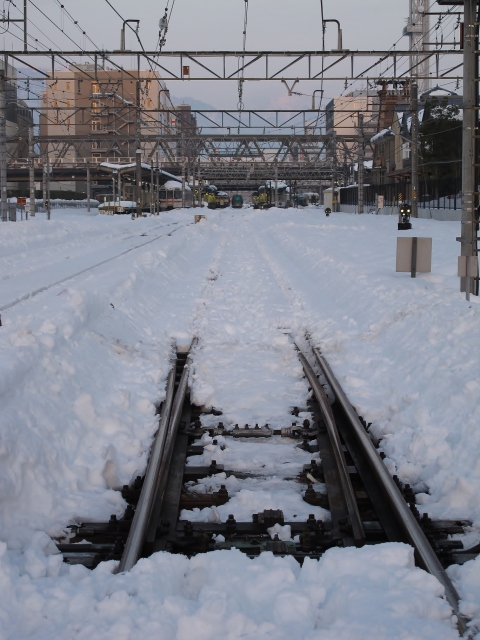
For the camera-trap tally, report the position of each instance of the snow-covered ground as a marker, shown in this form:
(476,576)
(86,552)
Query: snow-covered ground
(91,306)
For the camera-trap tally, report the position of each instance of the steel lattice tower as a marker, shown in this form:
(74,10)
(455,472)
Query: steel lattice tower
(417,29)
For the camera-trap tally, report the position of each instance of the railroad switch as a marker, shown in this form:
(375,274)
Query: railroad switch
(202,500)
(316,498)
(278,546)
(198,430)
(131,494)
(315,470)
(251,432)
(195,473)
(269,518)
(231,525)
(409,495)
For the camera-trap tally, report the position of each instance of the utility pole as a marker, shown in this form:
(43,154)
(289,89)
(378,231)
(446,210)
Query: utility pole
(31,173)
(468,237)
(138,180)
(183,183)
(414,144)
(3,147)
(157,187)
(25,34)
(361,153)
(49,205)
(151,189)
(44,181)
(138,153)
(88,187)
(334,169)
(276,184)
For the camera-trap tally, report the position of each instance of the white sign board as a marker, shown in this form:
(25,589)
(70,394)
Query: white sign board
(414,255)
(380,202)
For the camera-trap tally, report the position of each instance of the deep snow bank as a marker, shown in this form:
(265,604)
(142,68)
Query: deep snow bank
(350,593)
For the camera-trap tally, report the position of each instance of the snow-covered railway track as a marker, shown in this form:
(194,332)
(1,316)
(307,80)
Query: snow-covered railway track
(299,490)
(43,276)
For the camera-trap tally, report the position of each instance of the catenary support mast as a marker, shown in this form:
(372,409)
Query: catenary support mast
(468,235)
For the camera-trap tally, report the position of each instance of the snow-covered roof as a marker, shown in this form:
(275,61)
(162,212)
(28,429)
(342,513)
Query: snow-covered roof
(119,166)
(132,165)
(175,184)
(127,204)
(382,136)
(270,184)
(368,164)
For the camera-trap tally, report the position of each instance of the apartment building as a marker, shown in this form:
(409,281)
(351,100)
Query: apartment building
(18,116)
(100,114)
(342,118)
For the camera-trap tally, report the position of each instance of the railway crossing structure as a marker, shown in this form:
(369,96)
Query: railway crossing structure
(244,147)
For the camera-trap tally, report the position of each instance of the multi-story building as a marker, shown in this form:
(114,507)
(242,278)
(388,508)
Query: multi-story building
(342,119)
(392,142)
(18,116)
(186,125)
(104,114)
(342,114)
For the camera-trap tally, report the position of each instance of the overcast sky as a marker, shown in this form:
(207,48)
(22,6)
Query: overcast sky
(218,25)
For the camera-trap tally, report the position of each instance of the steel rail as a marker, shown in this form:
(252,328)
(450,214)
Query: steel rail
(136,535)
(348,492)
(411,527)
(162,476)
(35,292)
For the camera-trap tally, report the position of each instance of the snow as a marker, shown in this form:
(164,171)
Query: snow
(118,203)
(131,165)
(84,358)
(128,165)
(175,184)
(381,136)
(226,595)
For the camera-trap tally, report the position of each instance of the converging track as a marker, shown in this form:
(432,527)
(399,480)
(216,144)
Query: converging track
(208,481)
(360,502)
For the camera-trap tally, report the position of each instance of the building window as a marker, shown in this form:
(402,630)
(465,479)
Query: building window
(95,87)
(68,86)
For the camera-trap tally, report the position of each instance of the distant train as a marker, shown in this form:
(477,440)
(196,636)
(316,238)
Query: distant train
(222,199)
(237,201)
(119,206)
(264,197)
(170,196)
